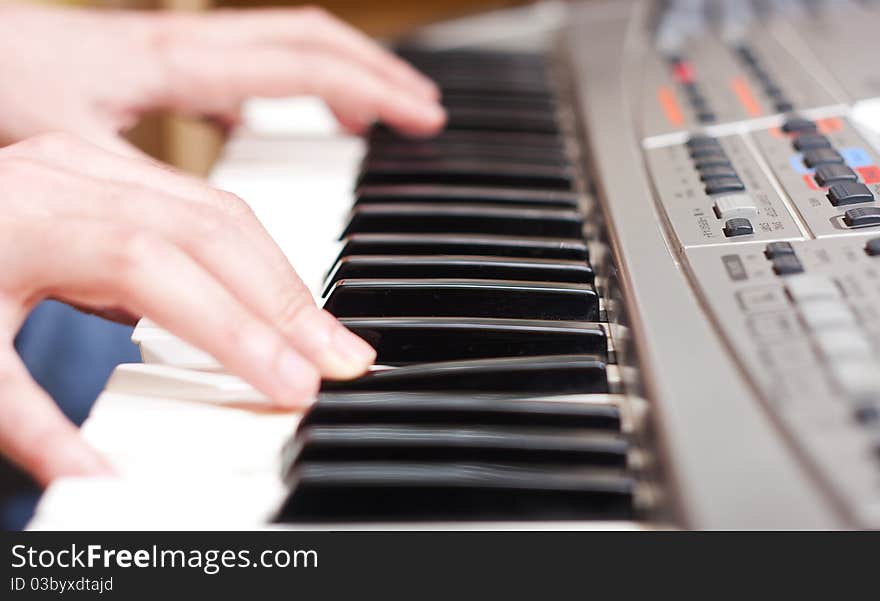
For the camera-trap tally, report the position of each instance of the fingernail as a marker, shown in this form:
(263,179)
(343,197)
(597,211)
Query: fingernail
(353,349)
(299,380)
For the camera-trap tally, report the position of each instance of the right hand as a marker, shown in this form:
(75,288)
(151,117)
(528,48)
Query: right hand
(128,236)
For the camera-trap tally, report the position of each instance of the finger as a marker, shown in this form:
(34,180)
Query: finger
(312,28)
(99,265)
(217,77)
(214,239)
(34,434)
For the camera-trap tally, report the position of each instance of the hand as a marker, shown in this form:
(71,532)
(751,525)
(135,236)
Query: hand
(94,73)
(116,233)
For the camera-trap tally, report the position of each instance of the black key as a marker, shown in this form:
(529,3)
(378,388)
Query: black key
(371,491)
(821,156)
(404,340)
(429,150)
(795,124)
(738,226)
(849,193)
(463,298)
(862,217)
(724,184)
(480,173)
(458,267)
(514,197)
(556,374)
(497,118)
(710,173)
(460,443)
(834,173)
(872,247)
(467,99)
(806,142)
(778,249)
(713,161)
(464,219)
(419,408)
(554,143)
(463,244)
(787,265)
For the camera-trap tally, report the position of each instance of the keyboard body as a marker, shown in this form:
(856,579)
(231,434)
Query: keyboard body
(656,283)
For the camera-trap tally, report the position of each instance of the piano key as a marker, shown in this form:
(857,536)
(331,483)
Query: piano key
(558,374)
(401,491)
(403,218)
(554,142)
(514,197)
(462,244)
(459,443)
(572,411)
(463,298)
(471,99)
(458,267)
(494,119)
(431,150)
(463,172)
(404,340)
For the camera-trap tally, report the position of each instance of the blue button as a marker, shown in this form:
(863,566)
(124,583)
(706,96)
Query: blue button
(856,156)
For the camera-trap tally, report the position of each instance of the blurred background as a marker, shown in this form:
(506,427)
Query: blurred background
(193,145)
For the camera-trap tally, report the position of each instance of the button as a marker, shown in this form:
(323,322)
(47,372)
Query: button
(821,156)
(783,106)
(777,249)
(787,265)
(702,141)
(848,193)
(808,287)
(706,117)
(806,142)
(738,227)
(862,217)
(706,162)
(843,343)
(798,125)
(860,379)
(707,152)
(724,184)
(762,298)
(710,173)
(831,174)
(735,205)
(822,314)
(872,247)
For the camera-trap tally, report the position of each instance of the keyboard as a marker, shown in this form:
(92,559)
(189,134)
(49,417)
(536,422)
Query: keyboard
(634,284)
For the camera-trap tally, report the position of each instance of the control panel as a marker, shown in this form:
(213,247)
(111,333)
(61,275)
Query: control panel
(803,319)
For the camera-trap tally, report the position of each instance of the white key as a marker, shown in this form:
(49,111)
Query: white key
(735,205)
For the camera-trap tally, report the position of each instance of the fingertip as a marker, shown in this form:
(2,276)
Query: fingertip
(299,381)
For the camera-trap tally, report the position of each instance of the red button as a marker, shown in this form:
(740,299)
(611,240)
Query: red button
(684,72)
(811,183)
(869,174)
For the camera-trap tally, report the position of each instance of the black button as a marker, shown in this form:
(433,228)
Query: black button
(862,217)
(821,156)
(716,172)
(872,247)
(798,125)
(719,160)
(738,226)
(831,174)
(724,184)
(778,249)
(806,142)
(849,193)
(702,141)
(772,90)
(787,265)
(783,106)
(699,152)
(706,117)
(868,414)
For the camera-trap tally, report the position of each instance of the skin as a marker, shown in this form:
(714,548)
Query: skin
(87,219)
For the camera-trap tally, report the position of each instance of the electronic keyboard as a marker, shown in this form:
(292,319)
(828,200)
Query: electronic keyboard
(634,284)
